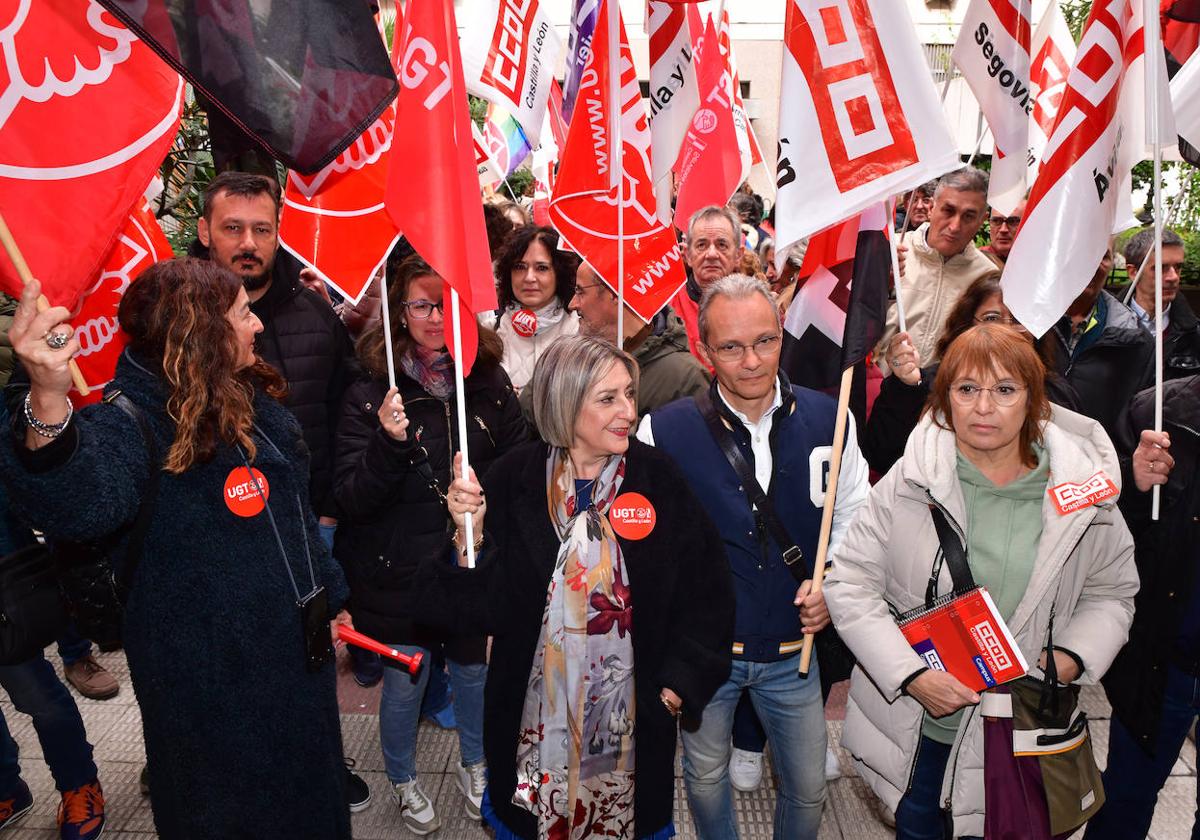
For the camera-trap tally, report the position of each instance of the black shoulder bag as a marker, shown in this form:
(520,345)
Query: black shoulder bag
(834,658)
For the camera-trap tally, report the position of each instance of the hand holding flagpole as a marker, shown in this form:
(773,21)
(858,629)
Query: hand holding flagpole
(22,267)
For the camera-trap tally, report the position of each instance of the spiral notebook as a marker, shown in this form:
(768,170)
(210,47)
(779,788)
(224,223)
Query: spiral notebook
(964,635)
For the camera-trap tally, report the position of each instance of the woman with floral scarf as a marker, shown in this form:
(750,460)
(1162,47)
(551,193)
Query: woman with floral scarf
(608,593)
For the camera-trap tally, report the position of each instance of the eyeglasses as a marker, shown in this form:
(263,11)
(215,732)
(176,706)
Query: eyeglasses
(1011,222)
(997,318)
(1004,395)
(423,309)
(765,348)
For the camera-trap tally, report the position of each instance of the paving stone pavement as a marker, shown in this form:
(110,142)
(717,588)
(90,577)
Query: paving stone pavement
(114,728)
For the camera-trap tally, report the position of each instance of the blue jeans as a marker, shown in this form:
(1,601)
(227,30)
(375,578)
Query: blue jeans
(919,815)
(793,715)
(72,647)
(400,708)
(327,532)
(35,690)
(1133,779)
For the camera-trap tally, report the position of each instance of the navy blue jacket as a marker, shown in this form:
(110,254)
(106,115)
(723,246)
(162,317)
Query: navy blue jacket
(765,587)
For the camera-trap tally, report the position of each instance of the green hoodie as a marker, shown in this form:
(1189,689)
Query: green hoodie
(1004,525)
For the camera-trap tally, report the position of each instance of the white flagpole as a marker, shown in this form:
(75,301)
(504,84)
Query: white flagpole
(460,394)
(1152,56)
(387,330)
(617,158)
(892,237)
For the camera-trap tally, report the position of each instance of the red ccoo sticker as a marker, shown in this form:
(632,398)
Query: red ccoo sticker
(524,322)
(632,516)
(241,493)
(1069,497)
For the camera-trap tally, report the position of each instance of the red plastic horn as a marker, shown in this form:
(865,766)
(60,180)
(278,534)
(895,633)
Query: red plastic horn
(353,637)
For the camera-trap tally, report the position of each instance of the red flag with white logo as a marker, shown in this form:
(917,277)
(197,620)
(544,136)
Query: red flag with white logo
(992,52)
(1082,192)
(1053,51)
(674,96)
(710,164)
(433,187)
(140,244)
(863,121)
(87,112)
(509,50)
(584,206)
(748,148)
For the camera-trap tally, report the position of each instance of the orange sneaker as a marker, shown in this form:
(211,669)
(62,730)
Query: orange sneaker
(14,809)
(81,813)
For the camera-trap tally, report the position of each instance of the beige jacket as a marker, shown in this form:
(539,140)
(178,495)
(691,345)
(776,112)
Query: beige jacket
(932,285)
(1084,567)
(521,353)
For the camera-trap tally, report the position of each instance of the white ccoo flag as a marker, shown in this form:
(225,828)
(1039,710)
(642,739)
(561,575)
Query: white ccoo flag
(862,120)
(509,52)
(993,54)
(1053,52)
(674,96)
(1084,184)
(1185,94)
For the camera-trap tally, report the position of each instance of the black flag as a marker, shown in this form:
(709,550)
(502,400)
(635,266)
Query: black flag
(304,78)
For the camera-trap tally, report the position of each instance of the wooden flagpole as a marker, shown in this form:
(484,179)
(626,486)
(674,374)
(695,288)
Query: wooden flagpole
(22,267)
(460,394)
(835,469)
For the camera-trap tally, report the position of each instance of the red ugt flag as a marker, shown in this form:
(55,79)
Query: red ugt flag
(87,112)
(433,185)
(710,164)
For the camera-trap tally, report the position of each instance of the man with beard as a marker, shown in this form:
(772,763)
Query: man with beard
(302,337)
(1003,231)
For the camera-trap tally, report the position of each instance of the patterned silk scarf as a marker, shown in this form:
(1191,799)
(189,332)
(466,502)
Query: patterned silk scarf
(433,369)
(575,751)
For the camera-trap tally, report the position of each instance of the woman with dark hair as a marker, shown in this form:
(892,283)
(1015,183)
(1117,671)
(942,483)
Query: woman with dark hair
(984,464)
(226,625)
(903,394)
(393,449)
(536,282)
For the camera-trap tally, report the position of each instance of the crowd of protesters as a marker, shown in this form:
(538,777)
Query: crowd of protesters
(628,561)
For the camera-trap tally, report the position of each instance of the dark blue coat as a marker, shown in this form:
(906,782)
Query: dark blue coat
(241,741)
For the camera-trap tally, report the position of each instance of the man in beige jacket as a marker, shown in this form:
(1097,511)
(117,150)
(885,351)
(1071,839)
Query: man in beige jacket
(942,261)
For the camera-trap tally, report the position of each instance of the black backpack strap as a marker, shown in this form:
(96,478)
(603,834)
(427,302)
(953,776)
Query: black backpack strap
(145,514)
(764,509)
(952,552)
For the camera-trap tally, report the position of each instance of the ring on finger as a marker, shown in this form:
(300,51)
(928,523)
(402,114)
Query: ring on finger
(395,416)
(56,340)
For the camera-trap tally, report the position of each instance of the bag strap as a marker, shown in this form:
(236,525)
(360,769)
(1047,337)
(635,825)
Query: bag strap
(952,552)
(764,510)
(145,514)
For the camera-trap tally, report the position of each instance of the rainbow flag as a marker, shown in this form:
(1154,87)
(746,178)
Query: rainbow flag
(506,141)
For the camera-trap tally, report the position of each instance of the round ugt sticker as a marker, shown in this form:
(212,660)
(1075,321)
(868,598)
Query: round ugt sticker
(632,516)
(524,322)
(241,494)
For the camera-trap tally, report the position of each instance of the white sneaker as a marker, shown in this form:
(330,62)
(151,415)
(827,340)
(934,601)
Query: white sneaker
(745,770)
(471,781)
(833,768)
(416,809)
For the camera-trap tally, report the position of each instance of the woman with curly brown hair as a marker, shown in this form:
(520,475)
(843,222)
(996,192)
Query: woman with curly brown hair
(535,282)
(226,622)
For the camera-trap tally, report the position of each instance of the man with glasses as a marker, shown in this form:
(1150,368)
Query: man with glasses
(668,371)
(755,450)
(1181,333)
(1003,230)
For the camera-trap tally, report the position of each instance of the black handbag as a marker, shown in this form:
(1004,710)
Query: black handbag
(32,613)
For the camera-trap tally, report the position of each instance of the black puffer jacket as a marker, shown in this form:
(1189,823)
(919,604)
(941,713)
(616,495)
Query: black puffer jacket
(1111,370)
(1181,343)
(391,517)
(307,343)
(1166,555)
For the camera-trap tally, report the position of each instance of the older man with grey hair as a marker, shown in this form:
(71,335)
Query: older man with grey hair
(942,261)
(755,450)
(713,249)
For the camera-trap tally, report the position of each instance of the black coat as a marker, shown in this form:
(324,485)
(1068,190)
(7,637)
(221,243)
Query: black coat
(307,343)
(1181,343)
(1166,556)
(683,606)
(898,408)
(1108,373)
(241,741)
(391,517)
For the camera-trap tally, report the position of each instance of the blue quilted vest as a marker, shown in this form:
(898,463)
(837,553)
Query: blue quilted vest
(768,623)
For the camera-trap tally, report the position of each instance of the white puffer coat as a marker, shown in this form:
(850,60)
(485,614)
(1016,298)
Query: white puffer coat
(1084,567)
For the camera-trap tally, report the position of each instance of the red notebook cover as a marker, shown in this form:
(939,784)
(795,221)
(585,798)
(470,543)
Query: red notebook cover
(965,636)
